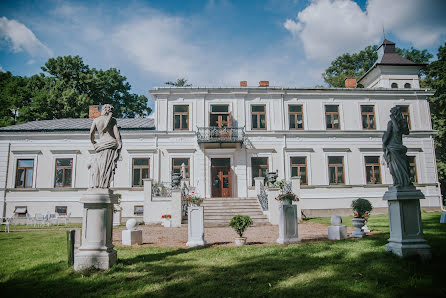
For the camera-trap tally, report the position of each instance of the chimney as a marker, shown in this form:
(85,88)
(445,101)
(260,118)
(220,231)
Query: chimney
(264,84)
(350,83)
(243,83)
(94,112)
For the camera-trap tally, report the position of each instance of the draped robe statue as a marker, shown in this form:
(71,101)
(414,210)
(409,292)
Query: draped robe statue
(107,148)
(394,150)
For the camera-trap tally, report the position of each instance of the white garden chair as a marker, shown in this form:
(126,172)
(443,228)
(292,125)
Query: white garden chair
(63,218)
(5,221)
(40,219)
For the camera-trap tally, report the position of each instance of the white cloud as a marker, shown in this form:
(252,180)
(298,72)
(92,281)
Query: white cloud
(20,38)
(1,69)
(329,28)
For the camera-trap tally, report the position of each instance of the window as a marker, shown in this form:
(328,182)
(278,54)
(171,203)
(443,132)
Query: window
(372,170)
(181,117)
(140,171)
(394,85)
(63,173)
(332,116)
(413,169)
(406,113)
(296,116)
(259,166)
(336,169)
(21,211)
(299,168)
(258,117)
(220,116)
(138,210)
(407,85)
(61,210)
(24,175)
(176,165)
(368,117)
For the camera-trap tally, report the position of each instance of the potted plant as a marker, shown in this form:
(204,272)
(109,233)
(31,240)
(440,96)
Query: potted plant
(166,220)
(193,200)
(240,223)
(287,198)
(360,207)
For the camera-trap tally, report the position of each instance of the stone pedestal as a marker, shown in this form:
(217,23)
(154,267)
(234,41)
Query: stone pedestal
(406,230)
(96,248)
(337,231)
(130,237)
(358,223)
(443,217)
(288,232)
(195,226)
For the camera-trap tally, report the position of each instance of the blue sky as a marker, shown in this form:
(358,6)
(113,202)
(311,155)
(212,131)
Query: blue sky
(214,42)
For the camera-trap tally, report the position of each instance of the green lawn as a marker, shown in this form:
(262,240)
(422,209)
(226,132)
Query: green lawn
(33,263)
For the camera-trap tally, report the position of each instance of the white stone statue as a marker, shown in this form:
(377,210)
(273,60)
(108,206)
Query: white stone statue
(107,148)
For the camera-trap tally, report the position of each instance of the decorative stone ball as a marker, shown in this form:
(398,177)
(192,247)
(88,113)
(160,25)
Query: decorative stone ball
(131,224)
(336,220)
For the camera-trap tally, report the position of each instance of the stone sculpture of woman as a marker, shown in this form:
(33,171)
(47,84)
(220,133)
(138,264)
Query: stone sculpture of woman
(394,150)
(107,148)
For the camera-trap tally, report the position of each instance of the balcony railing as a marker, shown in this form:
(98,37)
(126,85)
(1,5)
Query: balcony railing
(220,134)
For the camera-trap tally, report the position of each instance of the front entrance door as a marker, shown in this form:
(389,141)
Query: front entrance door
(221,177)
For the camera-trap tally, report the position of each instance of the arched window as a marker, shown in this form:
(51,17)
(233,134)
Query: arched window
(394,85)
(407,85)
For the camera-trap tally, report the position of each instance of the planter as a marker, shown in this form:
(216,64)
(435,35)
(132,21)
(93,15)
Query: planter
(358,223)
(287,202)
(240,241)
(167,223)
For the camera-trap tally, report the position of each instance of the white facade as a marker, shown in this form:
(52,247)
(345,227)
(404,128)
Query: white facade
(277,142)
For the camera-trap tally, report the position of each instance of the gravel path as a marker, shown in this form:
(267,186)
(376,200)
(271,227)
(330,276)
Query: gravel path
(157,235)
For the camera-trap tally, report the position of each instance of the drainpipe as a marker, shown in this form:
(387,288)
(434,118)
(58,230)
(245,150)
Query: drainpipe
(6,180)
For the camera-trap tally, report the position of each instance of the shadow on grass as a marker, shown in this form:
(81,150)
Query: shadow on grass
(320,268)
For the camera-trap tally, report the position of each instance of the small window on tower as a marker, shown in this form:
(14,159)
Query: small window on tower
(394,85)
(407,85)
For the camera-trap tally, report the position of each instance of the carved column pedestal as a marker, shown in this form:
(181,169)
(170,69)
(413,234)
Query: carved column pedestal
(195,226)
(96,248)
(406,229)
(288,232)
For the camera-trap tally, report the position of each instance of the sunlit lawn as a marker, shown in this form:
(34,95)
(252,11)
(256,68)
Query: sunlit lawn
(33,263)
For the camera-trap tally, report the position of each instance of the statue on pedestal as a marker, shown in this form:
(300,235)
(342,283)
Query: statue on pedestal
(394,150)
(107,148)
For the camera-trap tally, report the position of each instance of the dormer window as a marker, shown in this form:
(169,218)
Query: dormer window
(407,85)
(394,85)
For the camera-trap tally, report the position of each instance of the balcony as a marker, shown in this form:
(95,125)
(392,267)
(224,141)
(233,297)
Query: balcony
(220,134)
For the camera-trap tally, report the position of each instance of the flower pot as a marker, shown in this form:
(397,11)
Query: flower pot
(167,223)
(358,223)
(287,202)
(239,241)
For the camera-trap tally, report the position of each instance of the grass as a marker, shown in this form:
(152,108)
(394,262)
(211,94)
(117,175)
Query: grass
(33,263)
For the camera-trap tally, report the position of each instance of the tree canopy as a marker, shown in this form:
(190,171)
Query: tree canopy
(182,82)
(357,64)
(65,89)
(436,79)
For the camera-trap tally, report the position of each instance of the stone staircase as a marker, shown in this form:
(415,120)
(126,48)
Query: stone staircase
(218,212)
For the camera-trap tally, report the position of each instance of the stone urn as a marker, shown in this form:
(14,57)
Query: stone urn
(240,241)
(358,223)
(271,177)
(176,179)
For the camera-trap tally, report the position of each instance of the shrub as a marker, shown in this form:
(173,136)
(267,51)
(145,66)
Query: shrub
(240,223)
(361,207)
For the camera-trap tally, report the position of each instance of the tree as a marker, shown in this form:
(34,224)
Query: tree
(182,82)
(436,79)
(356,64)
(65,89)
